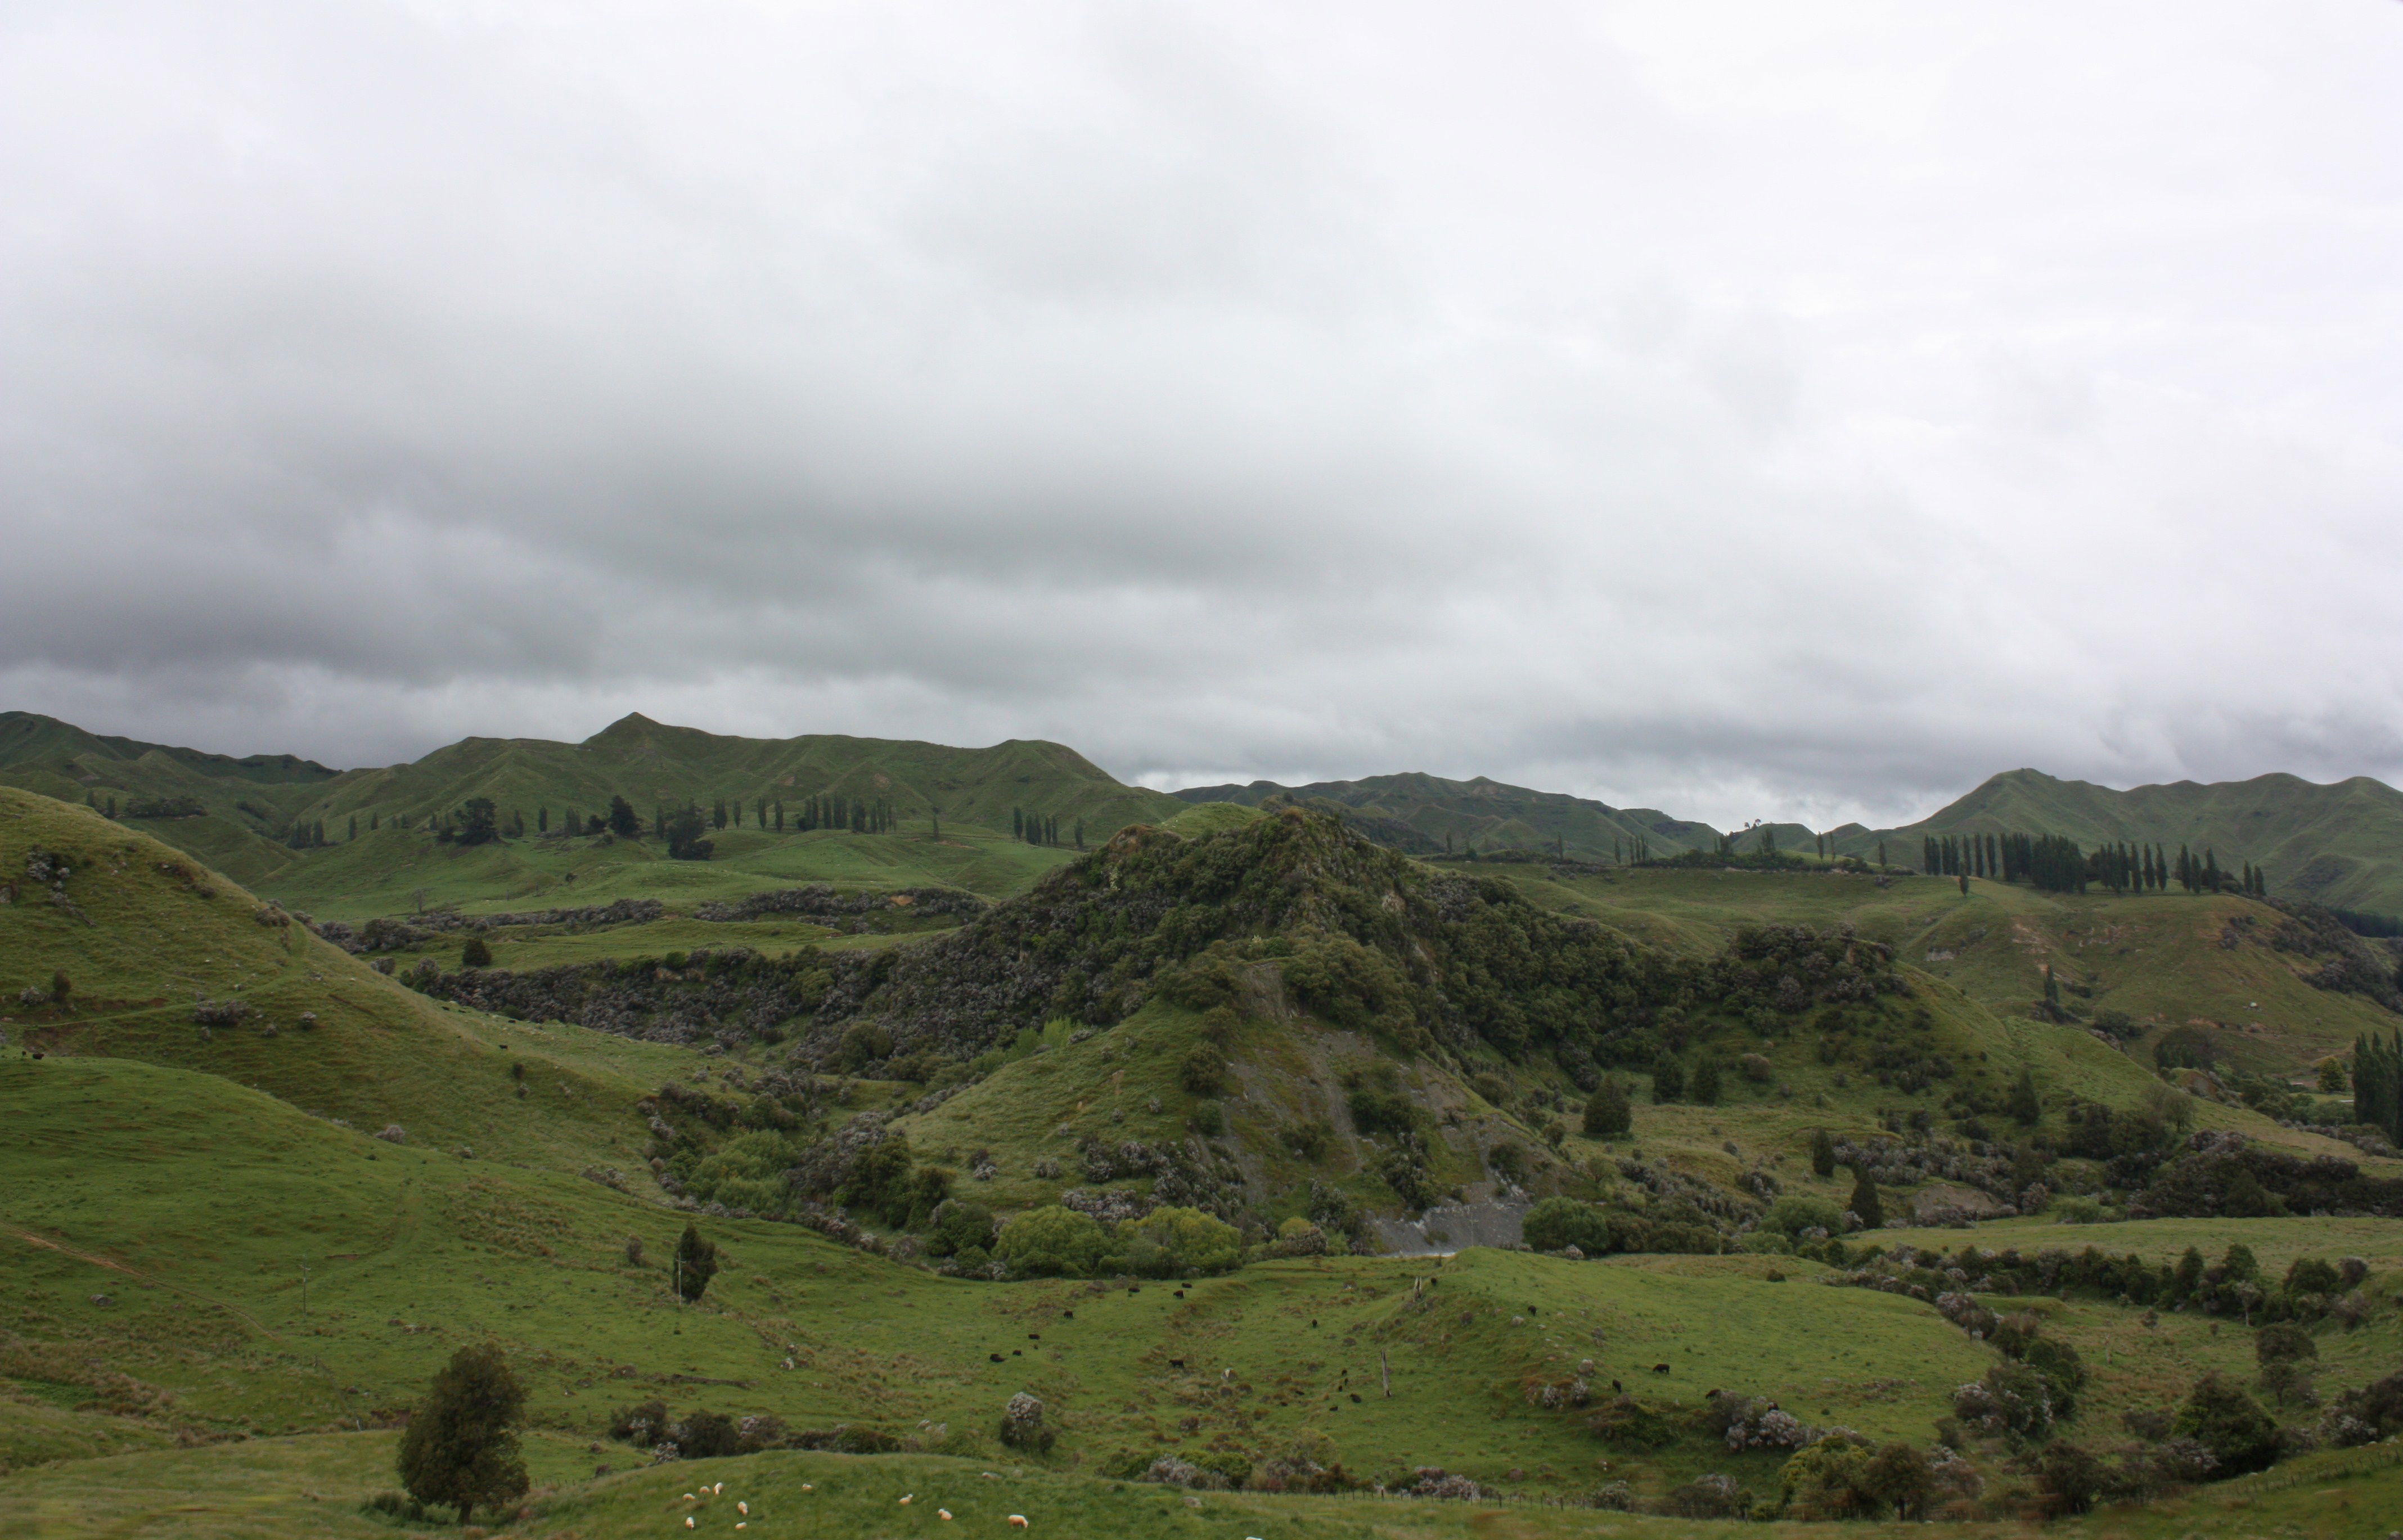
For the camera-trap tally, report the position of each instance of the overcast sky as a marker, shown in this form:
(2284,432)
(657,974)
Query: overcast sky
(1779,408)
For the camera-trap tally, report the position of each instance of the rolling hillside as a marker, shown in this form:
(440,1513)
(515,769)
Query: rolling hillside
(2340,845)
(1418,814)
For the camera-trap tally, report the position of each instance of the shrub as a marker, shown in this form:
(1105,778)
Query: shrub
(1756,1068)
(1794,1212)
(2069,1476)
(2312,1276)
(1703,1088)
(1823,1154)
(1375,1111)
(1607,1116)
(1865,1200)
(1203,1072)
(1710,1496)
(959,1227)
(1557,1224)
(1207,1119)
(1898,1477)
(862,1044)
(1051,1241)
(1309,1139)
(1625,1421)
(2010,1401)
(707,1436)
(477,954)
(2283,1343)
(460,1449)
(1187,1241)
(2221,1416)
(1827,1479)
(1668,1079)
(696,1263)
(1022,1426)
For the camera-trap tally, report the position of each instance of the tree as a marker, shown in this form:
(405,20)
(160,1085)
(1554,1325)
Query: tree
(1823,1154)
(685,841)
(1668,1079)
(477,823)
(1703,1088)
(2227,1422)
(461,1446)
(2023,1103)
(622,822)
(1607,1116)
(1865,1200)
(696,1263)
(477,954)
(1557,1224)
(62,988)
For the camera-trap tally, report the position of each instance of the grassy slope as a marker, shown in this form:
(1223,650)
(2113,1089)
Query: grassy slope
(312,1485)
(2158,959)
(156,932)
(386,870)
(2338,845)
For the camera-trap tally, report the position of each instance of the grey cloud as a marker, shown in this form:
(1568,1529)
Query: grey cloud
(1745,410)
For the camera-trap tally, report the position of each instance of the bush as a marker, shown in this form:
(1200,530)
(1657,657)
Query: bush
(1607,1116)
(2282,1342)
(1204,1070)
(1703,1088)
(1309,1139)
(477,954)
(707,1436)
(2069,1476)
(1187,1241)
(2221,1416)
(1668,1079)
(959,1227)
(1823,1154)
(1022,1426)
(2010,1401)
(1375,1111)
(696,1263)
(1051,1242)
(1794,1212)
(1828,1479)
(1557,1224)
(1207,1119)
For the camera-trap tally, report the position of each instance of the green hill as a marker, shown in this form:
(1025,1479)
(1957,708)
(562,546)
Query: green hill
(1426,815)
(2340,845)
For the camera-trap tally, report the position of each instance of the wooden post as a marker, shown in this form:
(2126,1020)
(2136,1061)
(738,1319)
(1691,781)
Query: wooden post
(1385,1371)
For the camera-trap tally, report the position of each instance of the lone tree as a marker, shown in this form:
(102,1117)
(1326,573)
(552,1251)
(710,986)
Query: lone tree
(1668,1079)
(461,1446)
(696,1263)
(1703,1088)
(1863,1200)
(1607,1116)
(1823,1154)
(477,954)
(622,822)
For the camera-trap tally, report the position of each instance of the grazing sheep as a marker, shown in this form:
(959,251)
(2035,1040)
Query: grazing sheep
(1018,1520)
(1659,1368)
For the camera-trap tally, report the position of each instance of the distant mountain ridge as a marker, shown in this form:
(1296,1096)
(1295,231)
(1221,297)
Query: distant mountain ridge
(2340,844)
(1417,812)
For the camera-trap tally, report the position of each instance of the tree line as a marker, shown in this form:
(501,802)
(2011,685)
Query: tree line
(2054,863)
(1037,829)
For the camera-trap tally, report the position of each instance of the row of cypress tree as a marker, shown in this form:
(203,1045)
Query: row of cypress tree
(2055,863)
(1037,829)
(2378,1083)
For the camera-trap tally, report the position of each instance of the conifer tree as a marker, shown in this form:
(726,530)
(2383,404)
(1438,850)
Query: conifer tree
(1080,834)
(375,821)
(779,816)
(1607,1116)
(354,825)
(1703,1088)
(1865,1201)
(1668,1079)
(1823,1154)
(696,1263)
(2023,1103)
(1017,825)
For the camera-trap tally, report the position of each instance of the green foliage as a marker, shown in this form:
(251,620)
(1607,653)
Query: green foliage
(1797,1212)
(1209,1120)
(1865,1200)
(2281,1342)
(881,1182)
(747,1171)
(460,1449)
(2023,1103)
(2220,1415)
(1668,1079)
(477,954)
(1703,1088)
(696,1263)
(1823,1154)
(1632,1423)
(1051,1242)
(958,1227)
(1202,1071)
(1556,1224)
(1376,1110)
(622,822)
(1607,1116)
(1171,1241)
(1828,1479)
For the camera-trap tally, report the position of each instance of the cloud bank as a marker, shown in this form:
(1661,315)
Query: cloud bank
(1744,409)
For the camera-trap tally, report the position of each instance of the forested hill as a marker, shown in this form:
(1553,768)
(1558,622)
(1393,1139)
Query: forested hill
(651,764)
(1419,813)
(2341,845)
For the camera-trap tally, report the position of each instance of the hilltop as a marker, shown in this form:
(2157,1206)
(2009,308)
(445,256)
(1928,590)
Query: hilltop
(1426,815)
(2338,846)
